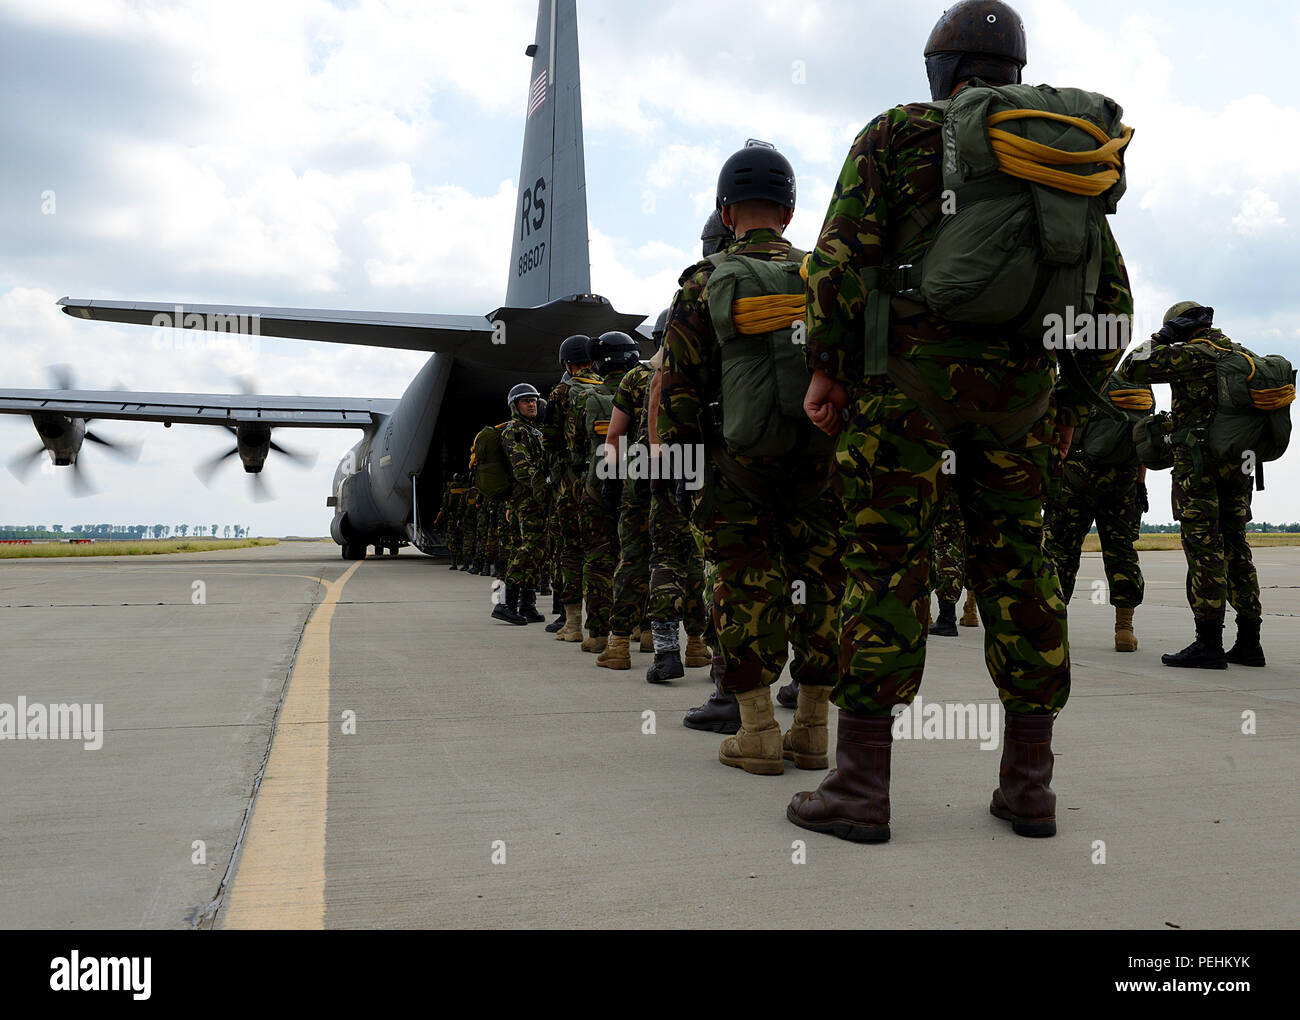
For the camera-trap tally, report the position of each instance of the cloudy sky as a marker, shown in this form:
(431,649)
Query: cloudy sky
(364,155)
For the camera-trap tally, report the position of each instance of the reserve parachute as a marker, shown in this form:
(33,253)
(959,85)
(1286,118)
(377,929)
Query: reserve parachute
(491,468)
(1109,443)
(1253,417)
(591,398)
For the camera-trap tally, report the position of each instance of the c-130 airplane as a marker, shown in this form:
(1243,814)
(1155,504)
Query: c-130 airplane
(388,486)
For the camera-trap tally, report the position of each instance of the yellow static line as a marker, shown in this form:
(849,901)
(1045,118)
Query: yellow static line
(280,882)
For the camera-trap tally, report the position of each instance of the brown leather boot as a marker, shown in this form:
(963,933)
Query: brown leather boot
(970,616)
(805,741)
(647,639)
(594,643)
(853,800)
(1024,795)
(697,653)
(756,747)
(1125,639)
(617,654)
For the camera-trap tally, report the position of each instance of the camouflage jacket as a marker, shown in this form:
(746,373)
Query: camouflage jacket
(554,443)
(1190,368)
(892,171)
(580,445)
(521,441)
(633,399)
(693,358)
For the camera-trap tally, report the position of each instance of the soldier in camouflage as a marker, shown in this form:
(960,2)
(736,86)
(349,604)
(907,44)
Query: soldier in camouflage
(1115,497)
(891,456)
(948,566)
(769,523)
(449,516)
(566,525)
(1211,499)
(521,442)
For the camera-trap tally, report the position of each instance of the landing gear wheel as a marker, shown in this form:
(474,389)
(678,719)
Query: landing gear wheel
(353,552)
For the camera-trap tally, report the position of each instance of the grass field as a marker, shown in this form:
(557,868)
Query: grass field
(180,545)
(1153,541)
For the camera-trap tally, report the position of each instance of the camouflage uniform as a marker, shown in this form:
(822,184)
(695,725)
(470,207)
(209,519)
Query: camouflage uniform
(676,569)
(522,443)
(891,455)
(599,525)
(948,562)
(1107,495)
(470,525)
(565,529)
(632,576)
(1211,499)
(776,547)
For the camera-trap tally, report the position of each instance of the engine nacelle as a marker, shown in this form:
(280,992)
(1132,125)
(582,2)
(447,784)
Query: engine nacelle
(254,443)
(61,436)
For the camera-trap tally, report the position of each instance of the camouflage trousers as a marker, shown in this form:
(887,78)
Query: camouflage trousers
(779,583)
(890,458)
(492,515)
(948,563)
(526,529)
(676,569)
(568,543)
(469,534)
(632,576)
(1213,509)
(600,559)
(1109,497)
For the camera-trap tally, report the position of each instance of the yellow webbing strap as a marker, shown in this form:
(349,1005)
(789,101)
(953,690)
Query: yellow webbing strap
(1274,399)
(767,312)
(1026,159)
(1226,350)
(584,379)
(1132,400)
(602,426)
(803,267)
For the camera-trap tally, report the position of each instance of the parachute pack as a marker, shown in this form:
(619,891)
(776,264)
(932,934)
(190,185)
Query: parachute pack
(593,400)
(492,470)
(1253,417)
(754,305)
(1109,443)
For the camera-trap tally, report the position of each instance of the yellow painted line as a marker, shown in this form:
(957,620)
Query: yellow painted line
(281,878)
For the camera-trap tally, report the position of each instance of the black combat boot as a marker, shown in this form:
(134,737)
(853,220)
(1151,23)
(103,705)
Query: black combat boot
(788,696)
(496,570)
(1206,652)
(473,567)
(454,564)
(528,606)
(544,586)
(946,625)
(721,713)
(1247,651)
(667,666)
(508,611)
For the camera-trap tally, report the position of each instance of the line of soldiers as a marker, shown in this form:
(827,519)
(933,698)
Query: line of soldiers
(842,425)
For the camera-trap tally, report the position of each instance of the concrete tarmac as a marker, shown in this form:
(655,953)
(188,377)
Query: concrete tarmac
(411,763)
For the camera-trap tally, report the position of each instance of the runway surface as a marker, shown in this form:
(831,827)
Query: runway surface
(287,746)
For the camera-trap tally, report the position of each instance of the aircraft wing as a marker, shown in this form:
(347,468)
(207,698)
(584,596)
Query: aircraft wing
(201,408)
(411,331)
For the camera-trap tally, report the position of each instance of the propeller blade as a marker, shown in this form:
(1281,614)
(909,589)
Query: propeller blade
(206,468)
(126,451)
(247,385)
(61,376)
(81,483)
(21,465)
(260,490)
(306,459)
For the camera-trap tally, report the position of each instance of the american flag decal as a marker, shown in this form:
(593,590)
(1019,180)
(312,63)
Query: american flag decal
(537,94)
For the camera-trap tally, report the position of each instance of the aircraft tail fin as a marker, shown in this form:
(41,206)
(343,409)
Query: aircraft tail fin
(549,258)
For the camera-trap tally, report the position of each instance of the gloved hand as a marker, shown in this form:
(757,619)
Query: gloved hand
(1143,503)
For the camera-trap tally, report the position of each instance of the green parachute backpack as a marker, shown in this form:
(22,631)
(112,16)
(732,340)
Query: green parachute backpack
(754,305)
(1109,443)
(1152,442)
(591,399)
(1255,393)
(492,469)
(1029,173)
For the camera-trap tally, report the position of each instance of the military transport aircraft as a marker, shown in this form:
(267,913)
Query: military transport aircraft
(388,484)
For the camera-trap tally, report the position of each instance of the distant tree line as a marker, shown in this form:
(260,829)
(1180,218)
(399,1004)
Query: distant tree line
(123,532)
(1264,526)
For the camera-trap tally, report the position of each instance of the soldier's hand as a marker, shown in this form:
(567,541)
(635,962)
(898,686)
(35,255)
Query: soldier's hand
(1064,436)
(610,490)
(1144,504)
(824,401)
(507,515)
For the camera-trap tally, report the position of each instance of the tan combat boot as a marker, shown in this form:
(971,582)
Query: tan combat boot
(697,653)
(1125,639)
(806,741)
(756,747)
(572,629)
(617,654)
(594,644)
(969,615)
(647,639)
